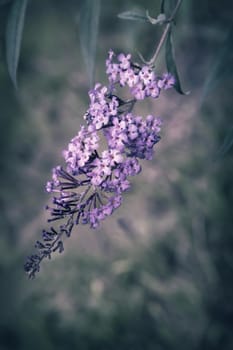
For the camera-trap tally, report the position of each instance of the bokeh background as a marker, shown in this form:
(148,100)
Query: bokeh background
(158,274)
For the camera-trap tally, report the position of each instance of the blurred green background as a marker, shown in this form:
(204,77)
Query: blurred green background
(158,274)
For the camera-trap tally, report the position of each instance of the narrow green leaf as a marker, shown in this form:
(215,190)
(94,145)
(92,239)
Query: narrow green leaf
(162,7)
(89,24)
(171,64)
(133,16)
(14,31)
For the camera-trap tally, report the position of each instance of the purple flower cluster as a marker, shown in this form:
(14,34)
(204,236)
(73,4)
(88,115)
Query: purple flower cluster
(103,155)
(142,81)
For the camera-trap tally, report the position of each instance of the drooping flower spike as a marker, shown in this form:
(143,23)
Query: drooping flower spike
(90,185)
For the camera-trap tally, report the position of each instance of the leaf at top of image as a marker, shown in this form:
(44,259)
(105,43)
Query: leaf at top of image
(138,16)
(89,23)
(162,6)
(14,31)
(171,63)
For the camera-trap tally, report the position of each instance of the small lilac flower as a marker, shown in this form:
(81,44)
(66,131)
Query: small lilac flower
(132,131)
(102,167)
(166,82)
(138,91)
(113,156)
(152,90)
(112,71)
(111,54)
(124,61)
(132,77)
(113,106)
(107,210)
(146,75)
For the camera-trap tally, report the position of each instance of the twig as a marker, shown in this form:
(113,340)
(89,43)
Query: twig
(164,35)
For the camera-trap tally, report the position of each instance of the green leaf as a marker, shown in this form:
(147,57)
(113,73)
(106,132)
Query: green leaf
(171,64)
(133,16)
(14,31)
(89,24)
(162,7)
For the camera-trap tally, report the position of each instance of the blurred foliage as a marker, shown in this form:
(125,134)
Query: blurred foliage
(164,282)
(14,31)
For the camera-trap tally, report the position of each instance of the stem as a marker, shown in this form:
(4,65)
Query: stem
(165,32)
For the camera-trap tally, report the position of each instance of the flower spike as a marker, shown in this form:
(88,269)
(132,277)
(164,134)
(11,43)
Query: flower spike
(90,186)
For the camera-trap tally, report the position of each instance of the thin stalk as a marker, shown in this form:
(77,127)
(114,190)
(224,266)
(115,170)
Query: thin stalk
(164,35)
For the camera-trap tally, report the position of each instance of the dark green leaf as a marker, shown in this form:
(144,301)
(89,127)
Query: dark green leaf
(171,64)
(89,23)
(134,16)
(162,7)
(14,31)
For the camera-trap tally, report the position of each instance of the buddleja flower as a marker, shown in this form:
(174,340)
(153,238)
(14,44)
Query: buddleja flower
(89,187)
